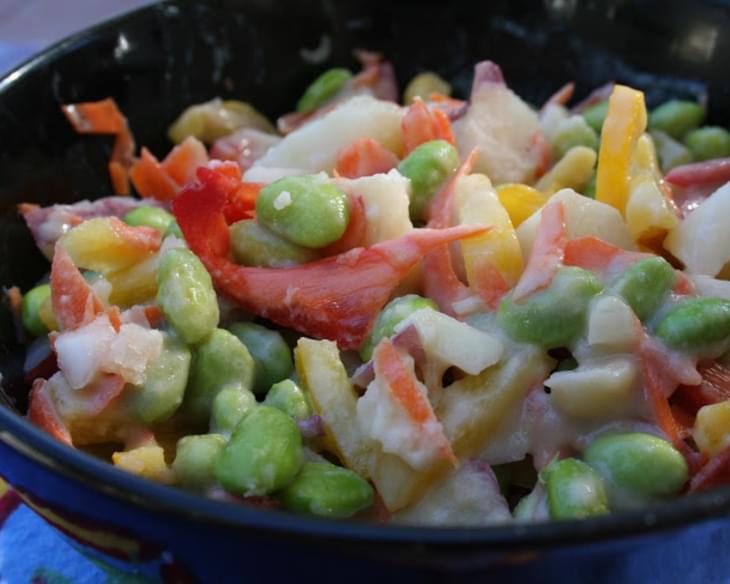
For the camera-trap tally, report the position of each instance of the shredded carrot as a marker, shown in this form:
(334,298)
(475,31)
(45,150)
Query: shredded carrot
(104,117)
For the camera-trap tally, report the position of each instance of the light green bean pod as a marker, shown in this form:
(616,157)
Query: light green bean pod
(697,325)
(645,285)
(154,217)
(428,166)
(553,317)
(163,389)
(323,88)
(195,459)
(30,310)
(676,117)
(637,467)
(221,360)
(396,311)
(595,115)
(254,245)
(263,455)
(290,398)
(186,295)
(708,143)
(574,490)
(326,490)
(230,405)
(271,354)
(309,211)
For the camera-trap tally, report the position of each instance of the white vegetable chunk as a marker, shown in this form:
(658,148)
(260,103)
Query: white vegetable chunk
(702,239)
(386,198)
(595,391)
(612,324)
(454,342)
(82,352)
(583,217)
(503,128)
(314,146)
(469,496)
(707,286)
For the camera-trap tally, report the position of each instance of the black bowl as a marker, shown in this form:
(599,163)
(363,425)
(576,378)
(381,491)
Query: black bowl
(159,59)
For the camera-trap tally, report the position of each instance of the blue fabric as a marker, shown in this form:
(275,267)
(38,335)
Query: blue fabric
(31,551)
(12,55)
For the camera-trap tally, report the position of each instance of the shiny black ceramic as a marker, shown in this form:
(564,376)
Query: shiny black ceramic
(159,59)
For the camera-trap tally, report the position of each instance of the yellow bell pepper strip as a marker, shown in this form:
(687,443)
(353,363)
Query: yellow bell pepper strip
(625,123)
(520,201)
(572,171)
(493,261)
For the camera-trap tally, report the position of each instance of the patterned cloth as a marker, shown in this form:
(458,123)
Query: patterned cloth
(33,552)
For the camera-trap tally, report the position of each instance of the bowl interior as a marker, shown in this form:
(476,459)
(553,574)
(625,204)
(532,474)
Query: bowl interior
(160,59)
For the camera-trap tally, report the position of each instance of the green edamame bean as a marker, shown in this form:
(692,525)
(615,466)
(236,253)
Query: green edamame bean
(574,490)
(595,115)
(327,490)
(174,229)
(696,325)
(670,152)
(149,217)
(220,360)
(186,295)
(164,386)
(676,117)
(424,85)
(30,310)
(708,143)
(307,210)
(428,166)
(290,398)
(263,455)
(637,466)
(195,459)
(216,118)
(323,88)
(645,285)
(271,355)
(555,316)
(396,311)
(574,131)
(254,245)
(230,406)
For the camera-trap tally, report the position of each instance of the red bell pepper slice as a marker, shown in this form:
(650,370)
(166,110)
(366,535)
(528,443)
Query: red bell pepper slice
(401,383)
(709,172)
(714,473)
(547,252)
(364,157)
(73,301)
(335,298)
(714,388)
(421,124)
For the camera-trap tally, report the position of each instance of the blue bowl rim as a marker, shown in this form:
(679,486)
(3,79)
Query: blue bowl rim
(102,477)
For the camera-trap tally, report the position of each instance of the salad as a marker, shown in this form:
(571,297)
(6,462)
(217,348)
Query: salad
(440,312)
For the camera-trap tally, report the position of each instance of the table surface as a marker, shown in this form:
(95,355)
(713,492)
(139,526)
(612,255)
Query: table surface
(27,26)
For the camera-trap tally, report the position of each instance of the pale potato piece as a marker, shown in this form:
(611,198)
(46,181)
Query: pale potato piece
(386,198)
(468,496)
(595,391)
(503,128)
(612,324)
(702,239)
(707,286)
(314,146)
(583,216)
(454,342)
(470,411)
